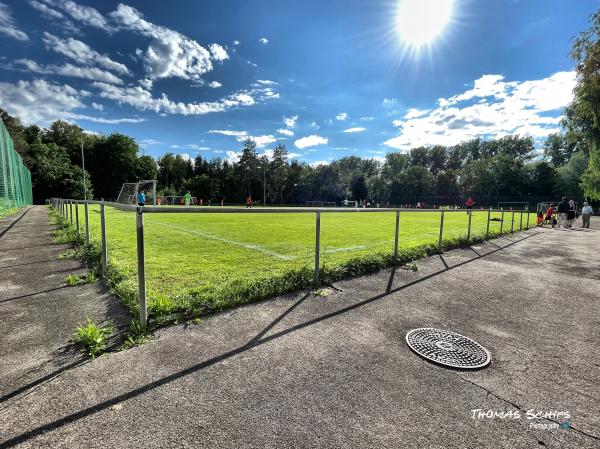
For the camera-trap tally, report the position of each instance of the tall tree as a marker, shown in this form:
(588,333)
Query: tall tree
(583,114)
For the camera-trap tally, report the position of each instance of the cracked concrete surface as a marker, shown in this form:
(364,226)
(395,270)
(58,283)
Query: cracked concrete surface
(311,371)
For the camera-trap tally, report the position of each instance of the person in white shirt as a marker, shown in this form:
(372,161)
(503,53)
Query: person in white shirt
(586,214)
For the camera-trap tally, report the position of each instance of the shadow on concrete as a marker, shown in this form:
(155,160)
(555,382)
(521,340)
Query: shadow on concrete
(255,342)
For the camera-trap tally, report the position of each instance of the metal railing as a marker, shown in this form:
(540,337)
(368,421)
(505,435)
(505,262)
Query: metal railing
(65,208)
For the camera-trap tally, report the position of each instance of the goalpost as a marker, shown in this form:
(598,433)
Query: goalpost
(129,192)
(514,205)
(320,204)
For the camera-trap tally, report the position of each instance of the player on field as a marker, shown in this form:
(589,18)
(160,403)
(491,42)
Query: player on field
(188,198)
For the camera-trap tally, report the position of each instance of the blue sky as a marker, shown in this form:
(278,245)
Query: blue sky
(327,79)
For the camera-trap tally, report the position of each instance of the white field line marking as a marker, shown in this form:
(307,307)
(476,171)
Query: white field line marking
(258,248)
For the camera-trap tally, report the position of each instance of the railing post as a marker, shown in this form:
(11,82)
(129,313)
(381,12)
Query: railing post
(512,223)
(317,247)
(441,232)
(139,221)
(71,211)
(469,226)
(521,221)
(527,225)
(501,222)
(77,217)
(396,237)
(103,233)
(487,229)
(87,223)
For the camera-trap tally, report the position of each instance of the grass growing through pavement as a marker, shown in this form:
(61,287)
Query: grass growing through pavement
(201,263)
(93,337)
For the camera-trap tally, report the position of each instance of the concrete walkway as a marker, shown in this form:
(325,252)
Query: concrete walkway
(38,312)
(307,371)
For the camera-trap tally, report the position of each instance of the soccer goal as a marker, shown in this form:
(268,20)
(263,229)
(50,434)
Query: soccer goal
(543,207)
(514,205)
(178,200)
(320,204)
(129,192)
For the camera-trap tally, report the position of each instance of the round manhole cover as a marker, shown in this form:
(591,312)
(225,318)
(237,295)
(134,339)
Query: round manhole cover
(448,348)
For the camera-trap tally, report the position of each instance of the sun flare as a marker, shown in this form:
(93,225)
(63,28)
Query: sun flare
(420,22)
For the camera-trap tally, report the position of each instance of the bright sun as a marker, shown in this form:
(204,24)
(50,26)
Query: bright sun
(421,21)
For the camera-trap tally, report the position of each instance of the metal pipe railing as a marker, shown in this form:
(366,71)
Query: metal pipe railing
(61,205)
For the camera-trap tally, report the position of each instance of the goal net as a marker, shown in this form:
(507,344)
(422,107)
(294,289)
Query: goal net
(178,200)
(320,204)
(543,207)
(129,192)
(514,205)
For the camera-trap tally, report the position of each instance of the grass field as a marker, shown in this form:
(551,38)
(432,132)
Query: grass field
(197,263)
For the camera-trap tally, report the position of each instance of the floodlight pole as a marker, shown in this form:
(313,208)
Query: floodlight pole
(317,247)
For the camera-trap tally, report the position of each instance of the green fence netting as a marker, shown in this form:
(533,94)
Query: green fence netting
(15,178)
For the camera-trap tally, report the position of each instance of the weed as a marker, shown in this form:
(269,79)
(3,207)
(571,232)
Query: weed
(73,280)
(93,337)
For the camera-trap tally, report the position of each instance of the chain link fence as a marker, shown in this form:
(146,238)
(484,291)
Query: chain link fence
(15,178)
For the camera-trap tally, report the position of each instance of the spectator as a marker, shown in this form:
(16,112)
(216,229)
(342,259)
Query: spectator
(141,198)
(470,203)
(572,214)
(586,214)
(563,212)
(549,215)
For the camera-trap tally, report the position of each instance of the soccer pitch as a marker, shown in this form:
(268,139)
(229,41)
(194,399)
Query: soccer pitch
(214,260)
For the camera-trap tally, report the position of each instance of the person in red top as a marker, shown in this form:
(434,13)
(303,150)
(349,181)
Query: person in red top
(249,201)
(549,215)
(470,202)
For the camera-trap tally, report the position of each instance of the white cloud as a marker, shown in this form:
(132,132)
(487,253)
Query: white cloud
(236,43)
(367,119)
(260,141)
(267,82)
(150,142)
(42,102)
(240,136)
(228,132)
(214,84)
(528,108)
(389,102)
(82,53)
(185,156)
(414,113)
(196,147)
(285,132)
(146,83)
(90,73)
(314,125)
(143,100)
(97,106)
(290,122)
(46,10)
(218,52)
(8,26)
(318,163)
(358,129)
(310,141)
(263,40)
(170,54)
(233,156)
(84,14)
(341,116)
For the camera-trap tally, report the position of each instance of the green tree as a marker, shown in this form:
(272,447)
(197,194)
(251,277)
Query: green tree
(279,171)
(583,114)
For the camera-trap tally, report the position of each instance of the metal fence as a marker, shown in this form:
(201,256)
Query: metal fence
(68,210)
(15,178)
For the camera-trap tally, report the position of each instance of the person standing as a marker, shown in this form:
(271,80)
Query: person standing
(572,214)
(188,198)
(469,203)
(563,213)
(249,202)
(586,215)
(141,198)
(550,215)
